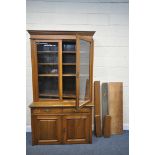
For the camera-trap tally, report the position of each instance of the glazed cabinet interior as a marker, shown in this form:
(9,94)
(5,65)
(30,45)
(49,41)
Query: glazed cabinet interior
(62,75)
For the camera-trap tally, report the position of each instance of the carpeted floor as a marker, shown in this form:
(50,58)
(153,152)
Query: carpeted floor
(116,145)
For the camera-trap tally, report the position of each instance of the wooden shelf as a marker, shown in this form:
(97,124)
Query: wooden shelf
(48,63)
(69,96)
(48,99)
(43,52)
(49,95)
(69,64)
(71,52)
(69,74)
(41,75)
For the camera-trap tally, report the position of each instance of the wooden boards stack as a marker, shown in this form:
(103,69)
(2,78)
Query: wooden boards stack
(112,104)
(112,108)
(97,113)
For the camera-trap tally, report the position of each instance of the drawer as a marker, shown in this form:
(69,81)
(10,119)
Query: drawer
(47,110)
(70,110)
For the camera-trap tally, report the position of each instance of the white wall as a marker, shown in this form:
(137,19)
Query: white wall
(109,18)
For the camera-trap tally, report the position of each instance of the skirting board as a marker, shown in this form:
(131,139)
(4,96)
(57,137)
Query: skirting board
(125,127)
(28,128)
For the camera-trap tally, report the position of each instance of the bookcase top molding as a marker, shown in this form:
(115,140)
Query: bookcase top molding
(56,32)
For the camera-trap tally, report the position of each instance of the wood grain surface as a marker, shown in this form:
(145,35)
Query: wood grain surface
(97,114)
(115,104)
(106,126)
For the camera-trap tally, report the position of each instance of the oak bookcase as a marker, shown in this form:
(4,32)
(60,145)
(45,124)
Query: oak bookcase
(62,75)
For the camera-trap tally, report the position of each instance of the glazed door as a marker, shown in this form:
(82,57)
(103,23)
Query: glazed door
(47,70)
(84,70)
(76,128)
(48,129)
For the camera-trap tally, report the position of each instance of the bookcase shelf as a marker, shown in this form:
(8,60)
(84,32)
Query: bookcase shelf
(69,64)
(47,63)
(70,52)
(42,75)
(46,52)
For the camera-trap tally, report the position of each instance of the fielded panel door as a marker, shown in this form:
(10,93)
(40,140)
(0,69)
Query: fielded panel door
(76,128)
(48,129)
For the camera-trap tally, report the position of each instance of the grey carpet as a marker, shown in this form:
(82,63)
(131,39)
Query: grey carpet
(116,145)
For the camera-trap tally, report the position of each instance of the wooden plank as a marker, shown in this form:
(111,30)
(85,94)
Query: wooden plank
(104,100)
(115,103)
(106,126)
(97,114)
(106,119)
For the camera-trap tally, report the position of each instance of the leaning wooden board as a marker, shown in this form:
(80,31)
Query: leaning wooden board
(106,129)
(97,114)
(106,118)
(112,104)
(115,104)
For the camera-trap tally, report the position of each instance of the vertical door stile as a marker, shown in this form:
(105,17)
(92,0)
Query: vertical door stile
(91,69)
(34,70)
(77,69)
(60,68)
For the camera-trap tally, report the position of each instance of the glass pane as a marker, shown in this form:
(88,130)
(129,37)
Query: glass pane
(69,87)
(47,54)
(84,94)
(69,45)
(69,51)
(69,69)
(48,87)
(47,69)
(68,58)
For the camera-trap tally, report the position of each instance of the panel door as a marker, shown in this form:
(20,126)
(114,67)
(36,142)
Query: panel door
(48,129)
(76,129)
(84,70)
